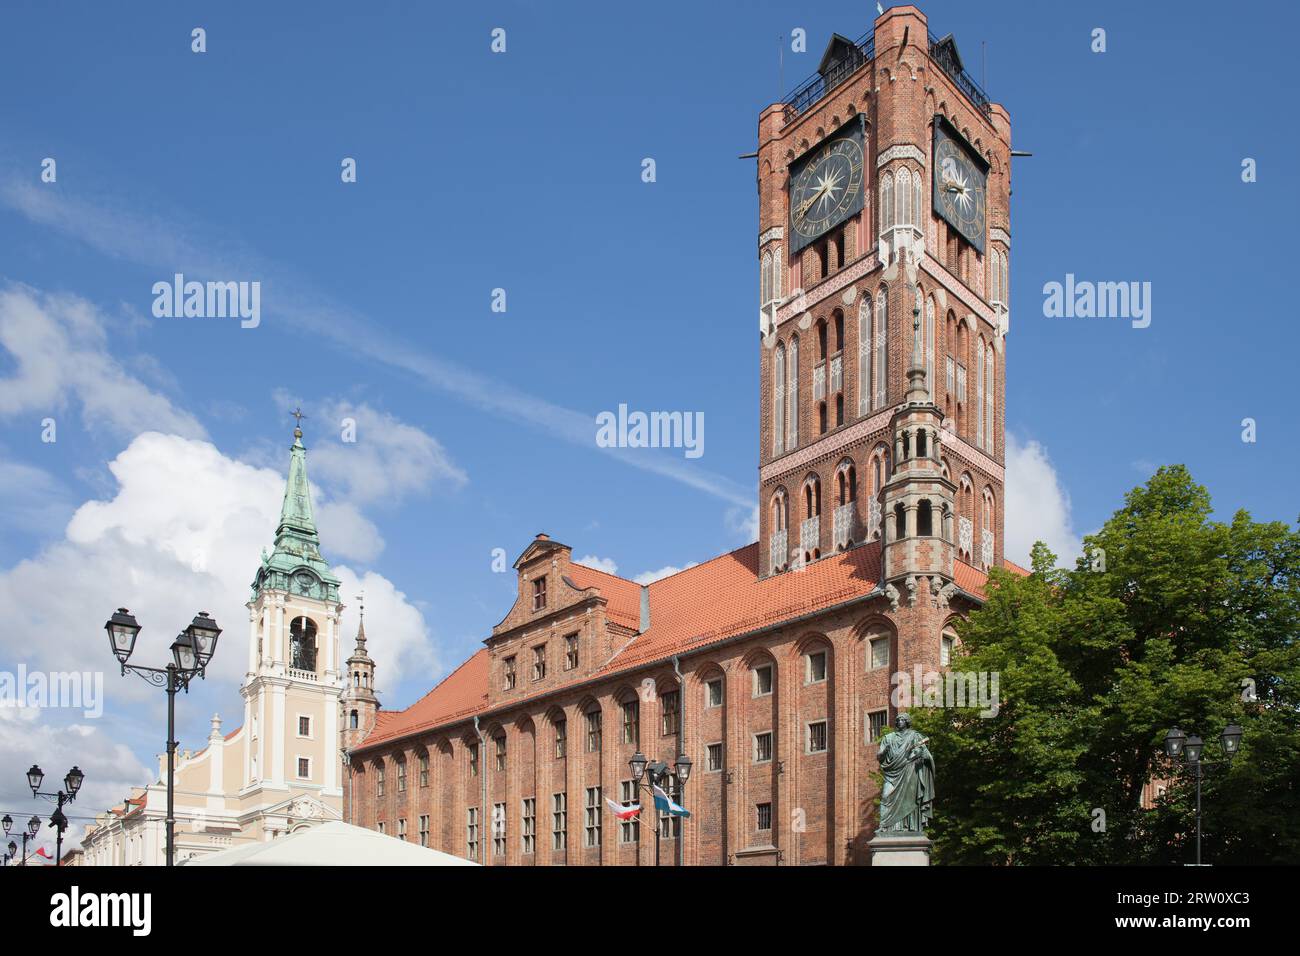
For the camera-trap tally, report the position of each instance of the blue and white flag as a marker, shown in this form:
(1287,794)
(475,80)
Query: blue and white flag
(665,804)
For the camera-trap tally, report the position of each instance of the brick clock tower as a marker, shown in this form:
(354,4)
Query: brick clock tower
(883,245)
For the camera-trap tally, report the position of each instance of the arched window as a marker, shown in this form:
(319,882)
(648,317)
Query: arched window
(886,201)
(924,519)
(989,427)
(918,220)
(979,392)
(765,279)
(880,376)
(812,497)
(792,398)
(846,484)
(780,510)
(864,355)
(918,331)
(352,720)
(778,400)
(302,644)
(900,522)
(903,197)
(929,346)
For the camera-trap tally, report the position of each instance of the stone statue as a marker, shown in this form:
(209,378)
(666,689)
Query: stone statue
(907,798)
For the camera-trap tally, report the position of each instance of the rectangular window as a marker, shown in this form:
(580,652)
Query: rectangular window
(764,816)
(561,738)
(571,652)
(816,667)
(401,776)
(424,829)
(763,680)
(593,731)
(670,827)
(879,652)
(672,712)
(528,828)
(509,681)
(498,829)
(471,833)
(401,828)
(383,827)
(713,693)
(876,723)
(629,831)
(539,594)
(945,650)
(304,726)
(714,752)
(472,750)
(559,821)
(817,737)
(631,710)
(763,747)
(304,768)
(424,770)
(379,782)
(500,743)
(539,662)
(593,820)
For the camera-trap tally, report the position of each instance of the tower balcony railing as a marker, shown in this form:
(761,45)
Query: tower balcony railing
(810,534)
(845,524)
(943,54)
(298,674)
(778,555)
(807,93)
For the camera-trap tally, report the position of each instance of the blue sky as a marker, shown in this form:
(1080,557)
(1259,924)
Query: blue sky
(521,171)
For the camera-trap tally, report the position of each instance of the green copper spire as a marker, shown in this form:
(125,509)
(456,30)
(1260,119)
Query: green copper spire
(296,564)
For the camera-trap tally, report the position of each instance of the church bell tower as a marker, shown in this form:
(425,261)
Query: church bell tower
(294,680)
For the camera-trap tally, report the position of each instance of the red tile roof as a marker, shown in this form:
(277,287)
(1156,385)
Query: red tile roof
(624,596)
(690,610)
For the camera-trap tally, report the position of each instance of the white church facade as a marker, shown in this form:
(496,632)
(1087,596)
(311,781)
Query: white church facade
(281,770)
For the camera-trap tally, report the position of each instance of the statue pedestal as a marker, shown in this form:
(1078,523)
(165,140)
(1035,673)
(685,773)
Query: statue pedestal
(900,849)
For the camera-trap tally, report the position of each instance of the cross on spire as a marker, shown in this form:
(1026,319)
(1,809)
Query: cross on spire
(298,416)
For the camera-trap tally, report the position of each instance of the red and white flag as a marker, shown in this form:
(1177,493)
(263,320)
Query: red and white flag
(40,851)
(622,812)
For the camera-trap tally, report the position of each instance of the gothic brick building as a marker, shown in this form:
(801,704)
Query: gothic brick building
(883,243)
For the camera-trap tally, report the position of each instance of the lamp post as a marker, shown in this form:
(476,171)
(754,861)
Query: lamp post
(191,652)
(658,774)
(33,825)
(72,783)
(1178,744)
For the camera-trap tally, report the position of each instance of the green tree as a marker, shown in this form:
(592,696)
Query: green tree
(1168,619)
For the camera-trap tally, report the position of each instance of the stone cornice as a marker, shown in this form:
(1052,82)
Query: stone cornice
(829,445)
(906,151)
(793,306)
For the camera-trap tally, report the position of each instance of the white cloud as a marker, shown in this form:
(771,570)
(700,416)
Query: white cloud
(743,522)
(600,564)
(182,533)
(29,736)
(649,577)
(388,460)
(1037,507)
(61,352)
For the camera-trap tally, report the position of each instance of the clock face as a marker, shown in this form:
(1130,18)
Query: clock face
(826,185)
(305,582)
(960,184)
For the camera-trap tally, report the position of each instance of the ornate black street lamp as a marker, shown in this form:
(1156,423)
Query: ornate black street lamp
(1178,744)
(659,774)
(71,783)
(191,652)
(33,825)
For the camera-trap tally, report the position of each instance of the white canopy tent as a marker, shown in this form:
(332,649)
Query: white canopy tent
(331,844)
